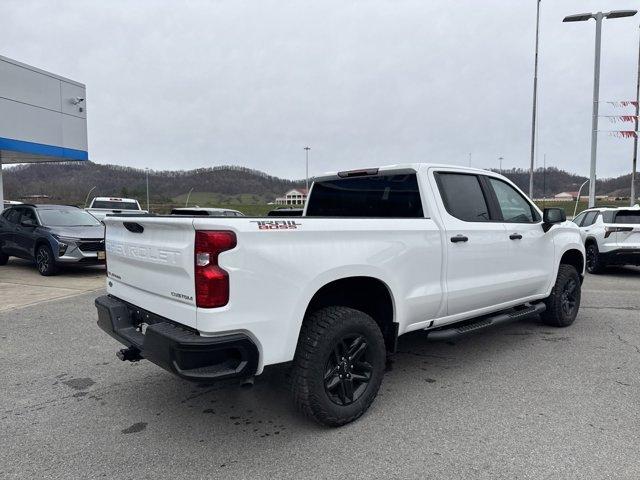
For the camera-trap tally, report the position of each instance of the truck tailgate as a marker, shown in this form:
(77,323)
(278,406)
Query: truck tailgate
(150,264)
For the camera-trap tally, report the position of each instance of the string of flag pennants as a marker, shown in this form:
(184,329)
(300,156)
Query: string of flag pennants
(622,119)
(623,103)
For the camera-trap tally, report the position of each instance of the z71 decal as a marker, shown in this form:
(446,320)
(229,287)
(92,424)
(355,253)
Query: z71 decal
(277,224)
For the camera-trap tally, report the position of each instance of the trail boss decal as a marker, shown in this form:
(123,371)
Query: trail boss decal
(277,224)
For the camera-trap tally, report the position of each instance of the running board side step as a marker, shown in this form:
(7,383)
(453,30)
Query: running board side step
(448,333)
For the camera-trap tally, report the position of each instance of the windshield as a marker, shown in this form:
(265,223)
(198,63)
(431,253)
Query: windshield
(115,205)
(67,217)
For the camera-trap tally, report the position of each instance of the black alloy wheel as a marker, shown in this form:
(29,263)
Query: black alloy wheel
(348,370)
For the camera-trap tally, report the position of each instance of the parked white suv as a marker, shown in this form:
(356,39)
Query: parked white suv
(611,236)
(377,253)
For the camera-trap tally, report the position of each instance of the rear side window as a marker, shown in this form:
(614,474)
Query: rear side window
(391,196)
(12,215)
(462,196)
(628,216)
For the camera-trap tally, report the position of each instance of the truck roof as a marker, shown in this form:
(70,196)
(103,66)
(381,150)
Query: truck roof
(399,167)
(115,199)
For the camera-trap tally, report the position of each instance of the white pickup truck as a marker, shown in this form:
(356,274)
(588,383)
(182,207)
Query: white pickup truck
(102,206)
(376,254)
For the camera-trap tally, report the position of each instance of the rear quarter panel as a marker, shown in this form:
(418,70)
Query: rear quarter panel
(274,273)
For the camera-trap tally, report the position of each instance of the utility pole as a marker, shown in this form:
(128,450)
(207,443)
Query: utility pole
(148,206)
(469,158)
(635,138)
(307,176)
(535,102)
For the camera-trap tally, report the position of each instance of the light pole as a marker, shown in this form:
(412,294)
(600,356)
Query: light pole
(148,206)
(582,17)
(87,199)
(535,102)
(306,149)
(469,158)
(500,160)
(578,199)
(186,204)
(635,138)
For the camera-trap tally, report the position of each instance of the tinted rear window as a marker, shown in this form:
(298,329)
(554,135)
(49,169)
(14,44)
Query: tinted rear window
(114,205)
(394,196)
(628,216)
(463,197)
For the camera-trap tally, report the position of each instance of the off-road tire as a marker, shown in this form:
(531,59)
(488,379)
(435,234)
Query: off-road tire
(595,264)
(564,302)
(45,261)
(321,337)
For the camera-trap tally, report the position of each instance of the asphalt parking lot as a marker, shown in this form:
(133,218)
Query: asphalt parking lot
(520,401)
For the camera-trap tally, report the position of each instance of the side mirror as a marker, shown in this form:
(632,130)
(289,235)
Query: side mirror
(28,223)
(551,216)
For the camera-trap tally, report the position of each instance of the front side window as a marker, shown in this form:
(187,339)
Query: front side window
(389,196)
(579,218)
(514,207)
(462,196)
(67,217)
(589,218)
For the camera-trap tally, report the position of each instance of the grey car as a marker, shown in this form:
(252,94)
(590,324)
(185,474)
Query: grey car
(51,235)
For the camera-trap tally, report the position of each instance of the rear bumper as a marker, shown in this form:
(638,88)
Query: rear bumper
(622,256)
(176,348)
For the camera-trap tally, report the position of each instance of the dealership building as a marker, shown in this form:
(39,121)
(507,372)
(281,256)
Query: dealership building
(43,117)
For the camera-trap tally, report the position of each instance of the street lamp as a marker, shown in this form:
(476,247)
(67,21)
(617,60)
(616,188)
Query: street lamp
(307,177)
(186,204)
(87,199)
(583,17)
(500,160)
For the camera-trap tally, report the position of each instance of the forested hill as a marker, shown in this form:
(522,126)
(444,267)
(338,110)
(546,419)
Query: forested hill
(70,183)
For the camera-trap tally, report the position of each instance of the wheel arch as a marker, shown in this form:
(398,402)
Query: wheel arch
(365,293)
(41,241)
(574,257)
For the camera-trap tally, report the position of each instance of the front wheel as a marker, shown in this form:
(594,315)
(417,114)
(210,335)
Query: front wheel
(564,302)
(45,261)
(594,259)
(338,366)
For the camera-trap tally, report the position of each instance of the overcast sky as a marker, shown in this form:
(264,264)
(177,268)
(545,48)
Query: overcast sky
(180,85)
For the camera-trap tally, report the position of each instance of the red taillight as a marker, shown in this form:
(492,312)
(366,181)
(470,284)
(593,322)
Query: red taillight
(212,282)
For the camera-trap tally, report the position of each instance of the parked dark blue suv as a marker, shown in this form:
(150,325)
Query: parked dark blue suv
(51,235)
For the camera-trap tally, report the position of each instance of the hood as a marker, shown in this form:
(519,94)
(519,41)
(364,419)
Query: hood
(95,231)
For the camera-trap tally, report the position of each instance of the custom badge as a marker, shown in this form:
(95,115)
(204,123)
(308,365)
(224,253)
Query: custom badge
(277,224)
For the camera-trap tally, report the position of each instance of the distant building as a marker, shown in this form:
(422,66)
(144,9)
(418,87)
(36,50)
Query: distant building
(35,197)
(566,196)
(297,196)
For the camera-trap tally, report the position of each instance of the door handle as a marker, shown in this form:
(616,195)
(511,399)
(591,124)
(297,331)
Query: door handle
(515,236)
(459,238)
